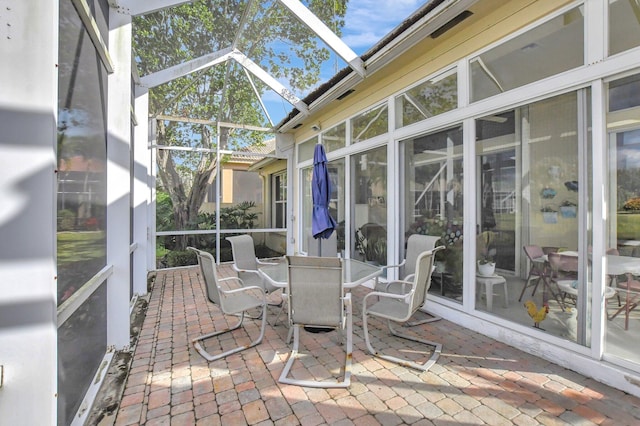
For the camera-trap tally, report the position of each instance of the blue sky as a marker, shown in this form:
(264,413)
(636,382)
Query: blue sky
(366,23)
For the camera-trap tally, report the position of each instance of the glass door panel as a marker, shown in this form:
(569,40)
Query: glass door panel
(369,211)
(432,188)
(623,248)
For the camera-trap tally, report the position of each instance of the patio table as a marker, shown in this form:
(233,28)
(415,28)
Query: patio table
(354,272)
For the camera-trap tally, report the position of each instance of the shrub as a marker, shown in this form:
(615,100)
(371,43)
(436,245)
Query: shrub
(632,204)
(66,220)
(180,258)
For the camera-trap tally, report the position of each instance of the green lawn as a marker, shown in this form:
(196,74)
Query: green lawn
(80,246)
(628,226)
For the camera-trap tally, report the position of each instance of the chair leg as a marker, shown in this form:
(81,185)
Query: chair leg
(346,382)
(433,318)
(206,355)
(437,347)
(527,285)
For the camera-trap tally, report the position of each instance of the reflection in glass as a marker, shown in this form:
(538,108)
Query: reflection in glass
(335,138)
(433,177)
(624,93)
(531,166)
(82,157)
(81,210)
(369,211)
(550,48)
(624,25)
(433,97)
(623,248)
(369,124)
(279,201)
(305,149)
(82,343)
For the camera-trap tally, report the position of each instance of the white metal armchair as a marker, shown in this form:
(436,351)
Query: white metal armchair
(416,244)
(231,302)
(246,264)
(399,306)
(317,300)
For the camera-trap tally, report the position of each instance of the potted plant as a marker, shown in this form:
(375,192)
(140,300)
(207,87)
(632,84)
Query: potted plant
(568,208)
(549,214)
(486,253)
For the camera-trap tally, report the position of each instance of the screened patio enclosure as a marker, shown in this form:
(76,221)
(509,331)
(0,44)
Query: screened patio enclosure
(132,128)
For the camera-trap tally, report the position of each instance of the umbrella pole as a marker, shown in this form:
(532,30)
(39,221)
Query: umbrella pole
(319,247)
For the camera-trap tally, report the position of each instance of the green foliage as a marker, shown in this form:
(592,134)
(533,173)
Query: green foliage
(271,37)
(632,204)
(239,216)
(180,258)
(164,211)
(66,220)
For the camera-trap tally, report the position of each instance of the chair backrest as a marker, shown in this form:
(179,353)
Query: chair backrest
(329,246)
(417,244)
(209,274)
(315,291)
(244,252)
(422,278)
(533,252)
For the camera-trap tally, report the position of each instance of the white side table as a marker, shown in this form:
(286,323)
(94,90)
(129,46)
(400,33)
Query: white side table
(489,283)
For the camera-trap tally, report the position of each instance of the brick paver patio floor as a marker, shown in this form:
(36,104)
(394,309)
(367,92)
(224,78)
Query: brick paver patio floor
(477,380)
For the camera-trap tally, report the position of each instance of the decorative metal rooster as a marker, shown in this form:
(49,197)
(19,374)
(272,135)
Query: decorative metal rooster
(537,315)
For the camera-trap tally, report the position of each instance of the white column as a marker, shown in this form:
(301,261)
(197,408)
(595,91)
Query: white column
(28,115)
(118,175)
(141,174)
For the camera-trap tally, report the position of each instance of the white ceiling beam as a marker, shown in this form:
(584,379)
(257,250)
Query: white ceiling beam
(212,123)
(94,33)
(142,7)
(185,68)
(329,37)
(267,79)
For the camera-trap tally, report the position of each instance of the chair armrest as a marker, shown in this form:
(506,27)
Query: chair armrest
(247,271)
(382,294)
(394,266)
(244,289)
(221,280)
(399,283)
(260,262)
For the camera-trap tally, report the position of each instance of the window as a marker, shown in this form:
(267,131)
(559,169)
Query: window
(435,96)
(81,210)
(305,149)
(533,179)
(334,138)
(279,191)
(369,124)
(548,49)
(433,201)
(624,25)
(369,213)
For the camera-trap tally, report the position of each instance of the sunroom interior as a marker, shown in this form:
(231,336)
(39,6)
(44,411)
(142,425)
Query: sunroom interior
(470,152)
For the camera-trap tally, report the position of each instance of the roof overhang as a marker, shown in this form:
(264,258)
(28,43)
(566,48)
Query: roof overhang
(432,17)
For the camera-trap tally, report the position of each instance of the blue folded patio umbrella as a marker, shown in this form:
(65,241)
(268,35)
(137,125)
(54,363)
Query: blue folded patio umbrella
(322,224)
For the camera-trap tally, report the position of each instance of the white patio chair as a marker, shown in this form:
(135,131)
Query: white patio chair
(317,300)
(246,264)
(399,306)
(230,302)
(416,244)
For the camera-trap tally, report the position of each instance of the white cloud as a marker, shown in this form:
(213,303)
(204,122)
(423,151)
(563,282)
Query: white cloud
(368,21)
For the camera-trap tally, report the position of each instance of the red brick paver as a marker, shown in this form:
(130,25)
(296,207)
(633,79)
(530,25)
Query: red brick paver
(476,380)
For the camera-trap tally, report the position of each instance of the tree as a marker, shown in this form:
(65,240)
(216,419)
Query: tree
(271,37)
